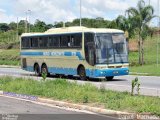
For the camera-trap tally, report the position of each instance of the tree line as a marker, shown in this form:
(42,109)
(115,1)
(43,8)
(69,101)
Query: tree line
(41,26)
(38,26)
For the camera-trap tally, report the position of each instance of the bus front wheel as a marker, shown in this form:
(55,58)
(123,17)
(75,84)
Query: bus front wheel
(37,70)
(82,73)
(110,78)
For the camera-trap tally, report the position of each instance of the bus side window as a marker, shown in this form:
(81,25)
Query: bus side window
(31,42)
(43,42)
(34,42)
(65,40)
(25,43)
(78,40)
(40,42)
(69,41)
(72,41)
(54,41)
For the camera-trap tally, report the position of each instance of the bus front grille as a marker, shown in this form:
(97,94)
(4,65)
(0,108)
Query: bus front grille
(115,66)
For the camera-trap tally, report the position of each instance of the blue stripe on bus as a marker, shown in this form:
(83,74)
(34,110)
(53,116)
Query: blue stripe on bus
(32,53)
(90,73)
(66,71)
(78,54)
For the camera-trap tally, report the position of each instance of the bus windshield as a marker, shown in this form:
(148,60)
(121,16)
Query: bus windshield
(111,48)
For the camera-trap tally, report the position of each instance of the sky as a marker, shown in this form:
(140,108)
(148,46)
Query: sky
(52,11)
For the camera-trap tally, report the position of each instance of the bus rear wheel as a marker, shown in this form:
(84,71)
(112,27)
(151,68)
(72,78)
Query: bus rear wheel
(37,70)
(44,70)
(82,73)
(110,78)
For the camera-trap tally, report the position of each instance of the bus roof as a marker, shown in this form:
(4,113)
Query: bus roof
(74,29)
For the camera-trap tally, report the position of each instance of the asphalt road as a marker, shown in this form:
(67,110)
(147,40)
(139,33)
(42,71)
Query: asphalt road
(150,85)
(13,109)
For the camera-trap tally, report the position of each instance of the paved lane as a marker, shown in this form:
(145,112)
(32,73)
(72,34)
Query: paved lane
(150,85)
(22,110)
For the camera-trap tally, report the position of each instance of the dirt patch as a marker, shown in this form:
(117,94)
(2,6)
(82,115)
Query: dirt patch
(10,46)
(133,46)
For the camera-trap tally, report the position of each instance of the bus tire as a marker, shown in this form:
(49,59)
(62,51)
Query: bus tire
(110,78)
(37,70)
(82,72)
(44,69)
(70,76)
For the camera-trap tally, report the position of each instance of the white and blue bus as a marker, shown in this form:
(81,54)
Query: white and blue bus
(86,52)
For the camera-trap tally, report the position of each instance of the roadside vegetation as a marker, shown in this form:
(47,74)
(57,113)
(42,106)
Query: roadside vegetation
(142,38)
(88,94)
(147,70)
(9,57)
(150,66)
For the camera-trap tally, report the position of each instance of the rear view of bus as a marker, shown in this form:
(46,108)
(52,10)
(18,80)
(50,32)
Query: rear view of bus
(86,52)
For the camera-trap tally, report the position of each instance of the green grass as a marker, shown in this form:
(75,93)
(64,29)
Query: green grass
(150,58)
(9,57)
(8,37)
(146,69)
(150,51)
(63,90)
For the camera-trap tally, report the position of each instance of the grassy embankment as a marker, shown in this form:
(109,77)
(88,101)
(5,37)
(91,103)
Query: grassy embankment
(84,94)
(9,57)
(9,45)
(150,58)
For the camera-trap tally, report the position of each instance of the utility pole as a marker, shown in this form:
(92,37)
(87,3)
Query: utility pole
(29,14)
(158,35)
(149,2)
(17,29)
(80,13)
(26,23)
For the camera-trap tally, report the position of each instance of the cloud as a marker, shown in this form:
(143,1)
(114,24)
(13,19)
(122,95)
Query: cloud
(47,10)
(64,10)
(108,9)
(2,11)
(4,18)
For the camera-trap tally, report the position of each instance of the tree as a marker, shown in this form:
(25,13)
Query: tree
(40,26)
(21,27)
(49,26)
(141,16)
(89,22)
(4,27)
(13,26)
(125,24)
(58,24)
(112,24)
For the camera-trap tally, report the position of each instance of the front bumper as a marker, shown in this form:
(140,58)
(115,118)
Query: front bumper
(108,72)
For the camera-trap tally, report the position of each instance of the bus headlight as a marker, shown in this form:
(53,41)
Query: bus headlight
(103,72)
